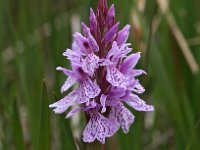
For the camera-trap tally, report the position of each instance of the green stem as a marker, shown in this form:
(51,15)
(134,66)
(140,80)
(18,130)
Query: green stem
(96,146)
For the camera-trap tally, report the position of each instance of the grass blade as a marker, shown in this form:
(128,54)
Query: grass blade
(44,127)
(66,134)
(17,128)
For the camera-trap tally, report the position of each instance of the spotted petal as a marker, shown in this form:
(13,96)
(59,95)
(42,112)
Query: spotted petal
(82,43)
(62,105)
(138,88)
(105,62)
(138,104)
(73,56)
(93,44)
(68,83)
(90,64)
(115,53)
(99,127)
(82,97)
(90,88)
(122,117)
(115,77)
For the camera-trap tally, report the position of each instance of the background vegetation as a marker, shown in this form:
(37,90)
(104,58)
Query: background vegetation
(33,36)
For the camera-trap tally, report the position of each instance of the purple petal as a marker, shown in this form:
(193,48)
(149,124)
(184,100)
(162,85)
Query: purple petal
(82,98)
(64,70)
(82,44)
(71,73)
(130,62)
(91,88)
(76,48)
(103,103)
(131,81)
(123,35)
(78,72)
(115,53)
(105,62)
(99,127)
(73,111)
(86,29)
(73,56)
(125,49)
(111,33)
(115,77)
(138,72)
(93,21)
(138,88)
(138,104)
(68,83)
(91,104)
(112,52)
(122,117)
(90,64)
(62,105)
(110,18)
(117,93)
(93,44)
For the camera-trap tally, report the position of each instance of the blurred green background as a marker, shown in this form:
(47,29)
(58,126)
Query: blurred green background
(33,36)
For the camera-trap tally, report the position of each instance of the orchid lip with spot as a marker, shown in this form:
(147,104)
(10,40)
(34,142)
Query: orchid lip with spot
(106,76)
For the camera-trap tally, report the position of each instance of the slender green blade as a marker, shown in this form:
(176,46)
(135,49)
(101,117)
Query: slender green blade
(44,127)
(66,134)
(17,128)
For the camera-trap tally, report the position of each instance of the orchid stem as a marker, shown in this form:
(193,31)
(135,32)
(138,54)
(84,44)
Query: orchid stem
(103,146)
(96,146)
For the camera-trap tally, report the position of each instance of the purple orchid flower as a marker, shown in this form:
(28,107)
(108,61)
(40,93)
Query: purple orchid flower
(106,76)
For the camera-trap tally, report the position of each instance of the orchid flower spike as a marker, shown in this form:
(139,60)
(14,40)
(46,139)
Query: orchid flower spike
(106,76)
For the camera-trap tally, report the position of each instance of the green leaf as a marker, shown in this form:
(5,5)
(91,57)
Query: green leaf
(44,124)
(17,128)
(66,134)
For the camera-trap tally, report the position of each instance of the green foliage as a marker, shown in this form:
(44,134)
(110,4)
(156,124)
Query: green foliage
(17,129)
(66,134)
(33,36)
(44,122)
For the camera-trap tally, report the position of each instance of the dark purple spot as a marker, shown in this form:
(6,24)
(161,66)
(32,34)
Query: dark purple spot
(80,70)
(86,45)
